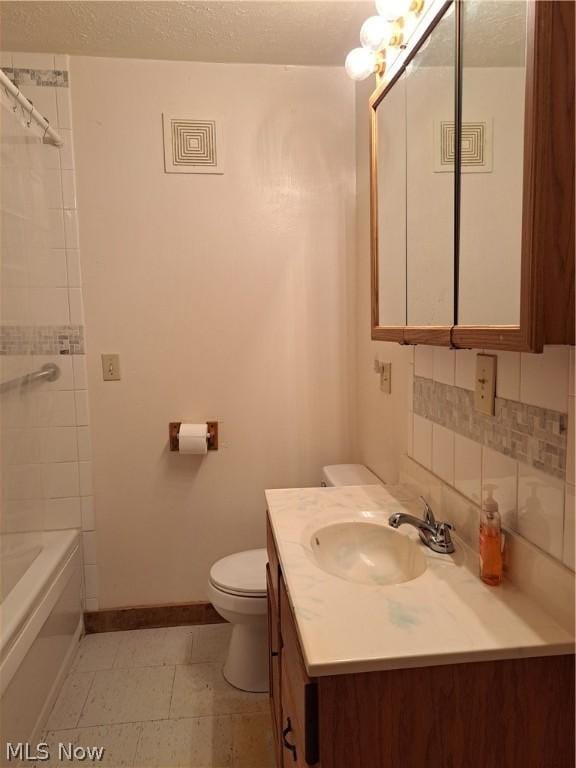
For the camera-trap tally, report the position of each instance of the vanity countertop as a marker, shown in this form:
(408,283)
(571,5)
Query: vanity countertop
(445,616)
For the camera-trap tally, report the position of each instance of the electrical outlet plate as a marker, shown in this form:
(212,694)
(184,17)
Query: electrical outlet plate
(111,367)
(485,393)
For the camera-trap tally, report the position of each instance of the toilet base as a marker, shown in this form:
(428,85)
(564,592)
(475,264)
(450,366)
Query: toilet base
(246,665)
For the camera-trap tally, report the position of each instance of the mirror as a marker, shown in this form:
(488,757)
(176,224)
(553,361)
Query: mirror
(430,109)
(391,196)
(493,89)
(414,189)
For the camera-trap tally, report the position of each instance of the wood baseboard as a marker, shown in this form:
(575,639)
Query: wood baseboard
(150,616)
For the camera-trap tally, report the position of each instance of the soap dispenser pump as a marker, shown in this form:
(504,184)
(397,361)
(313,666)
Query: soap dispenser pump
(490,541)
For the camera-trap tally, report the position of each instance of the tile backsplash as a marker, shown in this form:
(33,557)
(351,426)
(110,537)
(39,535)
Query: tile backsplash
(524,453)
(48,461)
(528,433)
(42,340)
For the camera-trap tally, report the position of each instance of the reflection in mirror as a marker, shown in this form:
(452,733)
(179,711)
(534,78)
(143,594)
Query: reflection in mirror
(430,98)
(391,191)
(493,86)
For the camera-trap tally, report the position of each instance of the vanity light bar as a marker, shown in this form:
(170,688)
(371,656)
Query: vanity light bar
(384,37)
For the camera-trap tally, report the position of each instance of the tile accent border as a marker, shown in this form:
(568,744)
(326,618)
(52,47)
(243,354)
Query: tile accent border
(151,616)
(56,78)
(42,340)
(527,433)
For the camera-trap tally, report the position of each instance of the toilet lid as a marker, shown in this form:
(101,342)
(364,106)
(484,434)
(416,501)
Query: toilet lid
(243,573)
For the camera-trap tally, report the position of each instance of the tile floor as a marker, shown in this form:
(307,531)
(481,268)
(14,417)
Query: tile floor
(156,698)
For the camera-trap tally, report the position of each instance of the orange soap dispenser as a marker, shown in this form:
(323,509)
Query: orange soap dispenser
(490,541)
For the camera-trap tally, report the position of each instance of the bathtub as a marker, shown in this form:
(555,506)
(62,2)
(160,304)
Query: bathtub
(17,553)
(40,625)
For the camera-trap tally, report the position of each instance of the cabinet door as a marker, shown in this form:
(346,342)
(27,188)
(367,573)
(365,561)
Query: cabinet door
(390,230)
(493,88)
(299,697)
(413,193)
(515,265)
(274,668)
(430,111)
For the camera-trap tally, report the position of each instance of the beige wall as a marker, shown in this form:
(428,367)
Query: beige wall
(227,297)
(381,418)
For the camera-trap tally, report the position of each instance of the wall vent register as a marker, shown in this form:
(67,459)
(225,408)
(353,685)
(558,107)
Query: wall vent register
(192,145)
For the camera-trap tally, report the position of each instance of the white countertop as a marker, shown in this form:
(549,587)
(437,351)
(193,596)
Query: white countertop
(447,615)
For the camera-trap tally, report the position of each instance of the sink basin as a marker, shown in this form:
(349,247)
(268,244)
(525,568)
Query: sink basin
(367,553)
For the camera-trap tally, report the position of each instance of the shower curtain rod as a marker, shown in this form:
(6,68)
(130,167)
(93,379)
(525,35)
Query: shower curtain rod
(50,135)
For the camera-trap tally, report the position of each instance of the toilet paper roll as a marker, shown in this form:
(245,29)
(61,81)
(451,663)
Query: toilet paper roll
(192,438)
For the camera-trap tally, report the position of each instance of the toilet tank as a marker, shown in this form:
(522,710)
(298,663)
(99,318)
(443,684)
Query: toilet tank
(348,474)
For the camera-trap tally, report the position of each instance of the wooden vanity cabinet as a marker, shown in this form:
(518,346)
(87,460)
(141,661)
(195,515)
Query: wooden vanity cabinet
(274,664)
(299,695)
(516,713)
(293,695)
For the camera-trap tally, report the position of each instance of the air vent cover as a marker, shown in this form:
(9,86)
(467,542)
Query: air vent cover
(192,145)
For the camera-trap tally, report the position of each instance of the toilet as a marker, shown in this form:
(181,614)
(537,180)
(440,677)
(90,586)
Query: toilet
(237,590)
(348,474)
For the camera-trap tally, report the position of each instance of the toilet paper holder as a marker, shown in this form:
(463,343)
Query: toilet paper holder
(211,437)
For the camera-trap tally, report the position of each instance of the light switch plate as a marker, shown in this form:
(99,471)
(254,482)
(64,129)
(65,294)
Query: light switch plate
(111,367)
(485,393)
(386,377)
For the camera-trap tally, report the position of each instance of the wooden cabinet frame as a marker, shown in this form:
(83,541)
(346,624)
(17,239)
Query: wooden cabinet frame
(547,258)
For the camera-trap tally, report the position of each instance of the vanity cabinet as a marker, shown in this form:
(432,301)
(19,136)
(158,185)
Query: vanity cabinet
(472,180)
(491,714)
(293,695)
(274,664)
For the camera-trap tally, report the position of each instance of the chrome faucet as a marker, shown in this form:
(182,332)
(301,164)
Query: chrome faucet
(435,535)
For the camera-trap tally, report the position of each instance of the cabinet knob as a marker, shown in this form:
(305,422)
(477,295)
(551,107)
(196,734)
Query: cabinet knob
(289,747)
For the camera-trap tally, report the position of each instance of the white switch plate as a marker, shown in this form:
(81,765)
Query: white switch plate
(485,392)
(111,367)
(386,377)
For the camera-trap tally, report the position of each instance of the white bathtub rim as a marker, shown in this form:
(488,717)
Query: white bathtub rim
(25,619)
(17,553)
(34,583)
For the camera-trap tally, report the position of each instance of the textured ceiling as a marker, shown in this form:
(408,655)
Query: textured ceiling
(315,32)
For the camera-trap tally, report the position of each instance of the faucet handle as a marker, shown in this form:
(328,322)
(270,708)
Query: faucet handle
(444,538)
(445,528)
(428,514)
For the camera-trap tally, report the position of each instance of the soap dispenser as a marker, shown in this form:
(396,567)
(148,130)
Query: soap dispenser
(490,541)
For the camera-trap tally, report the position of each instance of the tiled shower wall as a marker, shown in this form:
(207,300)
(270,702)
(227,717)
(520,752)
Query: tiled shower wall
(58,330)
(524,453)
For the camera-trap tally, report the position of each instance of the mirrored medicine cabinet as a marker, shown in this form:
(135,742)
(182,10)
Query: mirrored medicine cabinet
(472,180)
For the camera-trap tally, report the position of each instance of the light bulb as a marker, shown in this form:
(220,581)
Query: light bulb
(392,9)
(375,33)
(360,63)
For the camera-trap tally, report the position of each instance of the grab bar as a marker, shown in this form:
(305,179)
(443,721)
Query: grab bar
(48,372)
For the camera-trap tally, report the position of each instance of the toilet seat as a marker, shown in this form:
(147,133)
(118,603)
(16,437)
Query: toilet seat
(242,574)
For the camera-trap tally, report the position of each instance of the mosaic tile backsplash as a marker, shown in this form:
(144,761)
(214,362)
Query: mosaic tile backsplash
(44,77)
(527,433)
(42,340)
